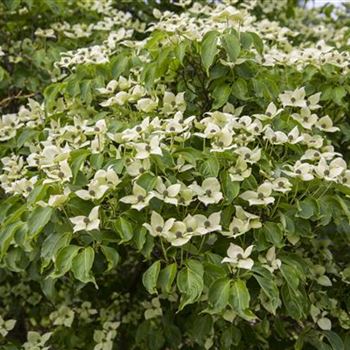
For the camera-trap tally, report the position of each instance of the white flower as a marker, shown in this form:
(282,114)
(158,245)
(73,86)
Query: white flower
(138,167)
(95,191)
(178,235)
(240,171)
(248,155)
(222,141)
(275,137)
(300,170)
(312,101)
(294,136)
(294,98)
(158,227)
(172,102)
(281,184)
(208,224)
(147,105)
(271,112)
(238,257)
(166,193)
(143,150)
(332,171)
(139,199)
(261,196)
(326,124)
(305,118)
(107,177)
(57,200)
(209,192)
(110,88)
(253,220)
(269,261)
(62,173)
(87,223)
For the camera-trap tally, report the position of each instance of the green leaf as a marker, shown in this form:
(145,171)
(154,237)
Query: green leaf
(167,277)
(240,297)
(190,283)
(219,293)
(258,43)
(150,277)
(240,89)
(232,46)
(210,168)
(334,339)
(82,264)
(124,229)
(7,235)
(111,255)
(221,93)
(64,260)
(273,233)
(307,208)
(290,275)
(268,286)
(52,244)
(295,302)
(147,181)
(78,157)
(38,220)
(230,188)
(209,49)
(339,93)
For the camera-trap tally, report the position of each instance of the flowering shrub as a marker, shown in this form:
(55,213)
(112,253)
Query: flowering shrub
(177,178)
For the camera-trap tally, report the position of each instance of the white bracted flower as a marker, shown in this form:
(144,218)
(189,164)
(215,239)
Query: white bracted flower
(269,261)
(303,171)
(158,226)
(107,177)
(326,124)
(238,257)
(208,224)
(87,223)
(222,141)
(144,150)
(61,173)
(281,184)
(139,199)
(147,105)
(109,89)
(294,136)
(138,167)
(294,98)
(209,192)
(95,191)
(262,196)
(167,194)
(271,112)
(332,171)
(179,234)
(275,137)
(240,171)
(248,155)
(306,119)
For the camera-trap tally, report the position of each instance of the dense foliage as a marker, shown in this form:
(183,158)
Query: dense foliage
(174,175)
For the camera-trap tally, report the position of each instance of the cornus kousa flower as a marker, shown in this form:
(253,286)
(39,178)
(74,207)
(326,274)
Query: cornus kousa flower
(271,112)
(222,141)
(294,98)
(237,257)
(208,224)
(87,223)
(172,102)
(248,155)
(240,171)
(270,261)
(95,191)
(144,150)
(139,199)
(209,192)
(62,173)
(275,137)
(166,193)
(325,124)
(158,226)
(107,177)
(306,119)
(138,167)
(303,171)
(110,88)
(332,171)
(313,100)
(186,195)
(262,196)
(147,105)
(294,136)
(281,184)
(179,234)
(253,220)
